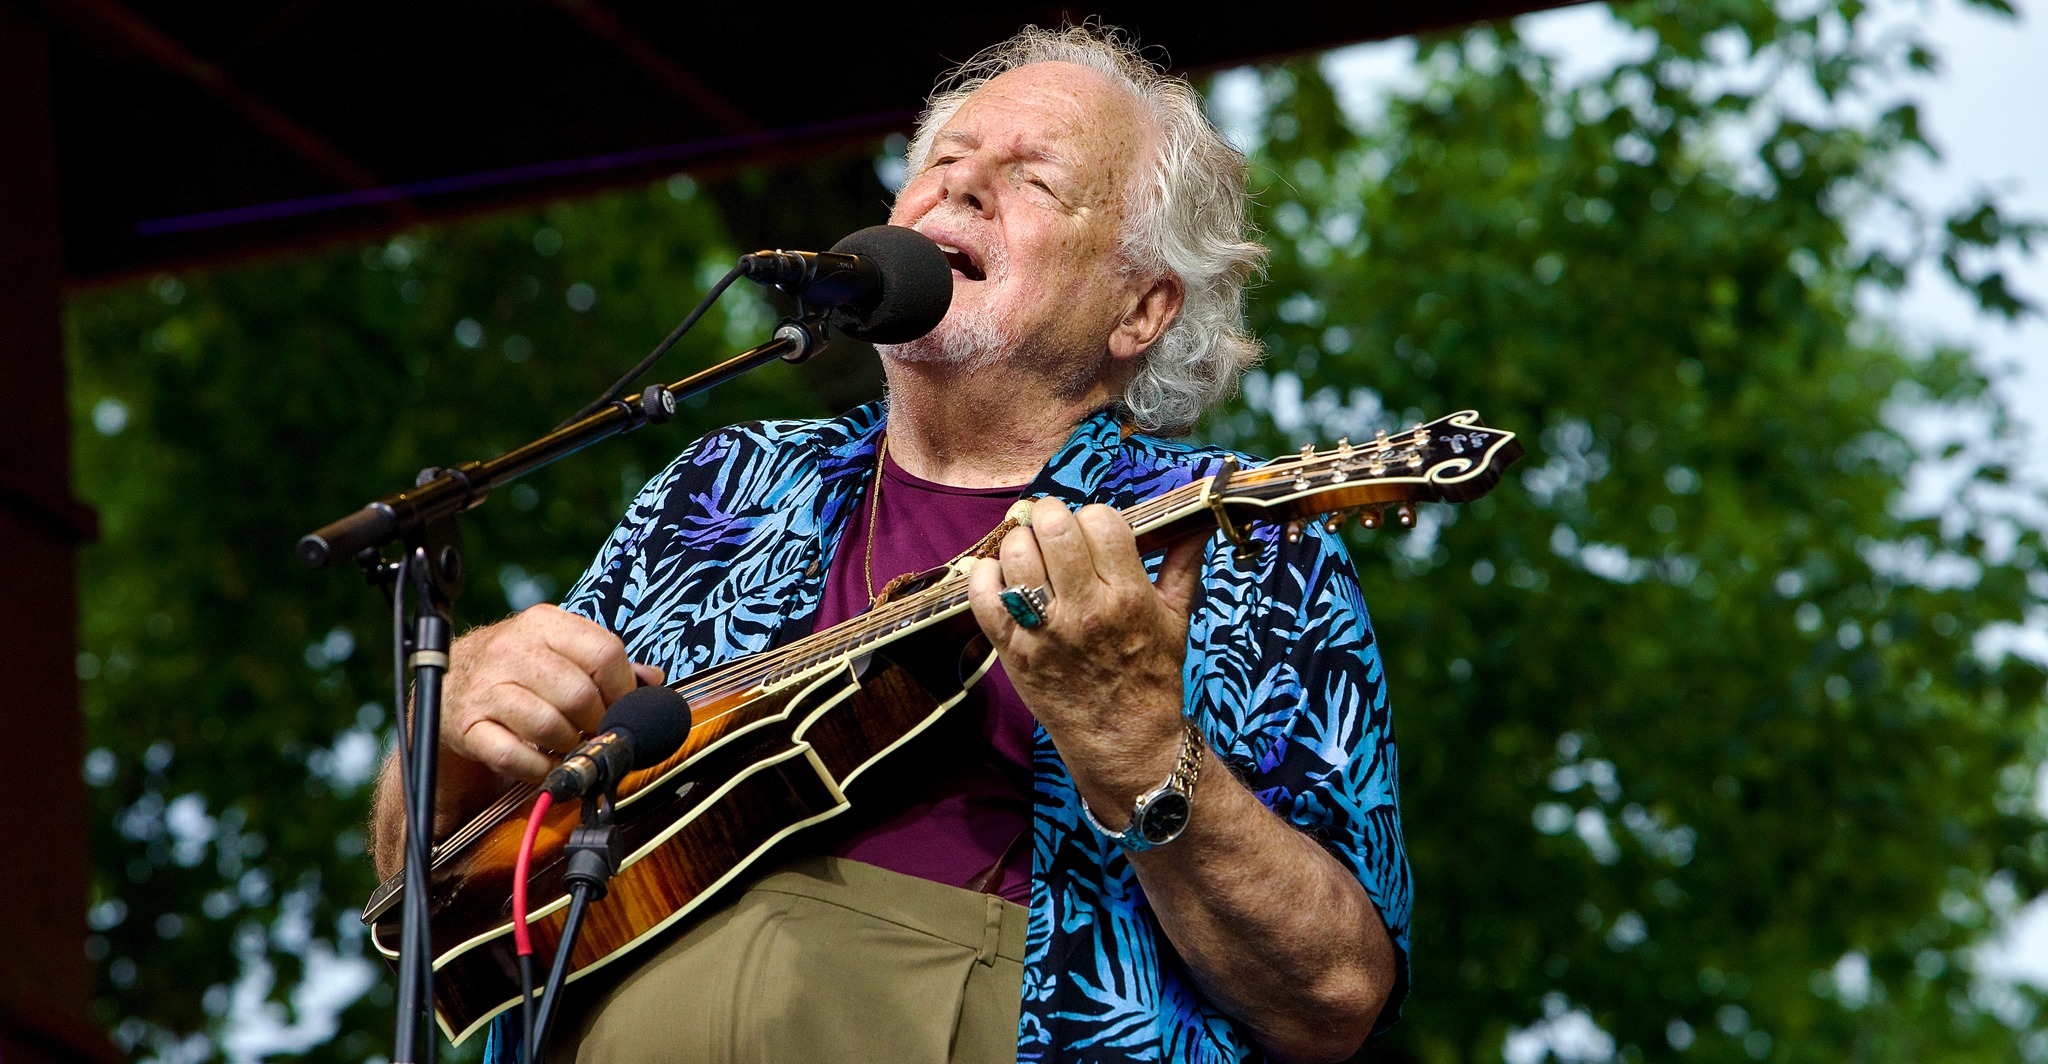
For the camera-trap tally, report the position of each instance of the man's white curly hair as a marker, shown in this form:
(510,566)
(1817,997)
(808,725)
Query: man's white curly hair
(1187,218)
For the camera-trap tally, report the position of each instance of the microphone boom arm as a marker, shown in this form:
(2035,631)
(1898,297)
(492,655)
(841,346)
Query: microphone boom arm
(451,491)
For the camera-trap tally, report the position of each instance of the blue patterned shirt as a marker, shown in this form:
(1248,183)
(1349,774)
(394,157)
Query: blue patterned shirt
(723,555)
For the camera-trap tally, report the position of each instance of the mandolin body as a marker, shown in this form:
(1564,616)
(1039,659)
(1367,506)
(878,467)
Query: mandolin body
(759,765)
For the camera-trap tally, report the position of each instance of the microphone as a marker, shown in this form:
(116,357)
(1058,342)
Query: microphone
(639,730)
(884,284)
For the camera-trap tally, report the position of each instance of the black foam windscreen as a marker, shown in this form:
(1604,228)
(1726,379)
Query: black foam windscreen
(917,285)
(658,719)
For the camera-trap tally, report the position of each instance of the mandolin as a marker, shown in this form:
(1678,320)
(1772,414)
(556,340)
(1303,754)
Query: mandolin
(776,738)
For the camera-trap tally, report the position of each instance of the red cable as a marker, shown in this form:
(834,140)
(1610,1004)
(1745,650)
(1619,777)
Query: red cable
(519,934)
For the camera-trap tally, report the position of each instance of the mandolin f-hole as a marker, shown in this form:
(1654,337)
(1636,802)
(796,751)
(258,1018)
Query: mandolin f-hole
(972,655)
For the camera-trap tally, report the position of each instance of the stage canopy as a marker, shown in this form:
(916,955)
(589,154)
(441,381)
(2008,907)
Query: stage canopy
(192,132)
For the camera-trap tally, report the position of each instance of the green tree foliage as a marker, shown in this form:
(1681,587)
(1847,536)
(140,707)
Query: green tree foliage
(1690,708)
(1697,737)
(238,703)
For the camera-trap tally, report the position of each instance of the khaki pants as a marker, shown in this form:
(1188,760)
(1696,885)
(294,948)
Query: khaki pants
(821,960)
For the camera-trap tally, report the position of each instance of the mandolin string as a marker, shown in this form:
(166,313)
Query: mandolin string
(799,656)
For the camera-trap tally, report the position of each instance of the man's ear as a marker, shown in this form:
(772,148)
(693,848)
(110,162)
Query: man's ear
(1151,310)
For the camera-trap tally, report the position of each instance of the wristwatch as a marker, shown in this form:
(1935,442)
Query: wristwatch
(1161,813)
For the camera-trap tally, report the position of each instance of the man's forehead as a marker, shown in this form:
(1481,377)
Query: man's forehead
(1074,98)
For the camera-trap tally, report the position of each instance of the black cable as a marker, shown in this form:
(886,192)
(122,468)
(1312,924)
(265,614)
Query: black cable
(423,849)
(526,1003)
(410,912)
(619,387)
(432,1037)
(550,998)
(419,849)
(398,689)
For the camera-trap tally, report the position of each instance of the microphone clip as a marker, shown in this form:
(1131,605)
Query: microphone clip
(805,333)
(595,849)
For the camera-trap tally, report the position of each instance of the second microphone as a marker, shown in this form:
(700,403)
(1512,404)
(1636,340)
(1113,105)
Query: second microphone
(641,730)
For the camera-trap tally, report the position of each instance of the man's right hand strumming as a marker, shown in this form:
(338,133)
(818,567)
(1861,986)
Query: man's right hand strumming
(517,694)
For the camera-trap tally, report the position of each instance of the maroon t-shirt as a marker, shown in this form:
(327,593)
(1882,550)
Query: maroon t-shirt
(945,818)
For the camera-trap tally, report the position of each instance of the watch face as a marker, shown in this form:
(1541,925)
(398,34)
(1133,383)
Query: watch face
(1163,817)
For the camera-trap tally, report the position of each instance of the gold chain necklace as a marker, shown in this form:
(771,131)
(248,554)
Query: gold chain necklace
(874,510)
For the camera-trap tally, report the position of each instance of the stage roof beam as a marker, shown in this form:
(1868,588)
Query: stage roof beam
(131,30)
(600,22)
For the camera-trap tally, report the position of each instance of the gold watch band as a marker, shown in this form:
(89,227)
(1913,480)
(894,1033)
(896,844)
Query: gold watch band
(1179,785)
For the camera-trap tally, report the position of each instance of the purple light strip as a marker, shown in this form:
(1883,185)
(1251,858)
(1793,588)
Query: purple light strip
(365,197)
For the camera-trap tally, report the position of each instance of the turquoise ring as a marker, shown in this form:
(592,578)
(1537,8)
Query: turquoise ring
(1027,605)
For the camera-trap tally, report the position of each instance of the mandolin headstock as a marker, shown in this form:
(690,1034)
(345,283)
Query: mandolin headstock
(1452,459)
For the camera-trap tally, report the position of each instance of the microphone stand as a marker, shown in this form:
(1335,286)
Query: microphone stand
(424,520)
(594,852)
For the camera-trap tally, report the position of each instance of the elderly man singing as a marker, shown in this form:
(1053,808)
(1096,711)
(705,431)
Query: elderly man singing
(1166,827)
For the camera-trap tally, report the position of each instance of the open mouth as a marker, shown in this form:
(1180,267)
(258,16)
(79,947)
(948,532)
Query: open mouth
(963,262)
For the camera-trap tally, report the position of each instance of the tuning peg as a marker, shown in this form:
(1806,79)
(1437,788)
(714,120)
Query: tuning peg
(1308,451)
(1333,522)
(1406,515)
(1293,531)
(1368,518)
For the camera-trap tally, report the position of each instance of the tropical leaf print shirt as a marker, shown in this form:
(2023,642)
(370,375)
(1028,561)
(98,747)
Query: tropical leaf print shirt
(724,554)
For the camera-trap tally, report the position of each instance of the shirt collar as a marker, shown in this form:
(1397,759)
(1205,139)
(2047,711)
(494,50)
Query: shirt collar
(1076,472)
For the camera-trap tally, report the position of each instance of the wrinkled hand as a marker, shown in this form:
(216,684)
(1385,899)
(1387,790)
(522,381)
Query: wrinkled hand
(1103,674)
(538,681)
